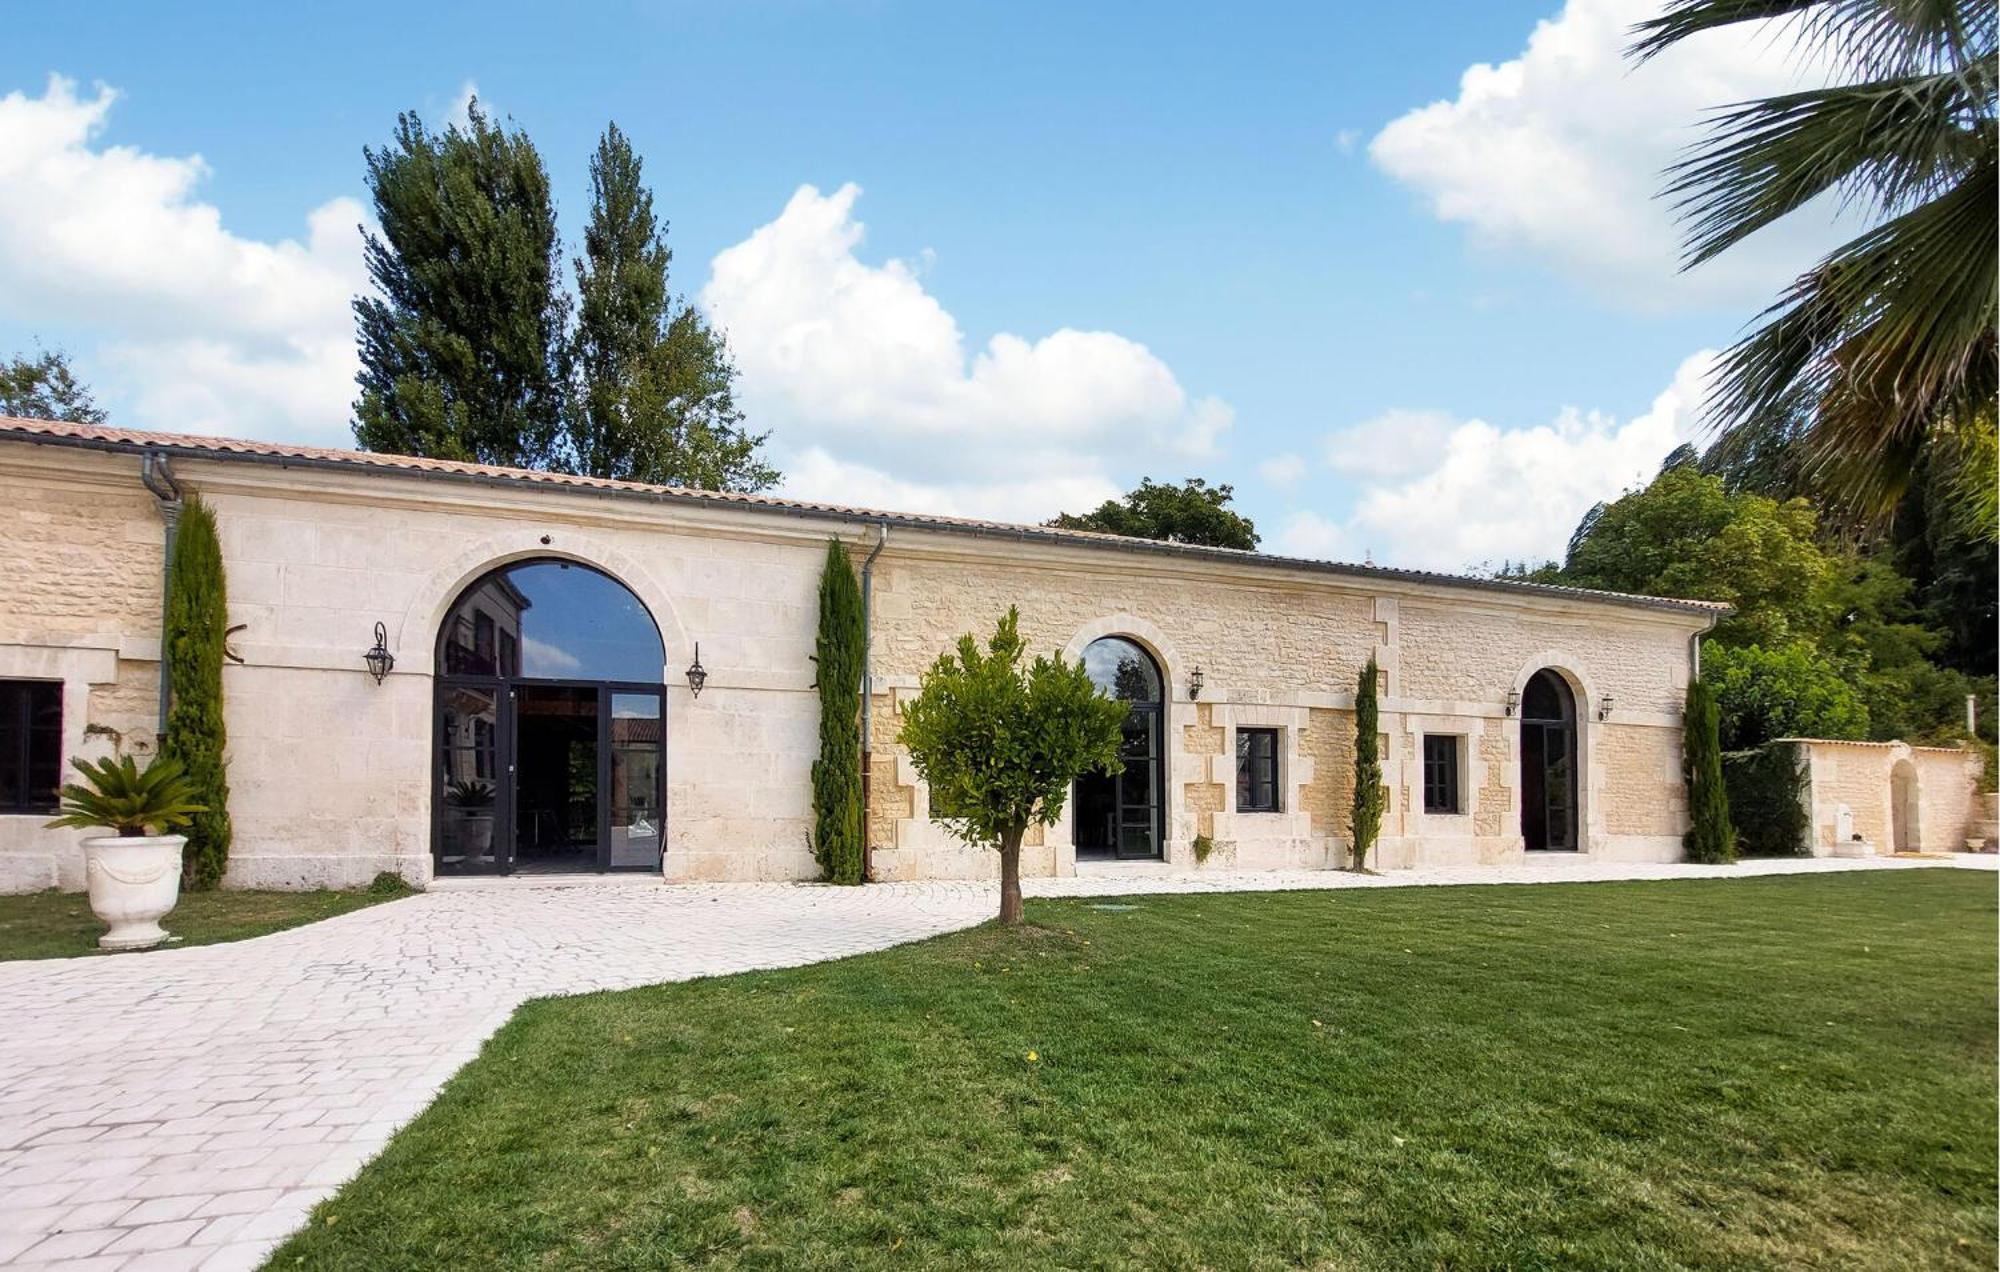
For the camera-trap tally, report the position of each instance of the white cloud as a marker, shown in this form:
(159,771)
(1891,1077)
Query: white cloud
(1493,495)
(1309,535)
(861,371)
(1346,139)
(201,329)
(1396,443)
(1283,470)
(540,658)
(1559,153)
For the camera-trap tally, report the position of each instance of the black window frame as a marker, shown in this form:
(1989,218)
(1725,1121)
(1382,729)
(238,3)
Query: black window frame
(18,736)
(1444,794)
(1257,793)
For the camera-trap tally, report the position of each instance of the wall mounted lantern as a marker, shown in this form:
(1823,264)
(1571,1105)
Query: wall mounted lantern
(696,673)
(380,661)
(1604,707)
(1194,682)
(1513,701)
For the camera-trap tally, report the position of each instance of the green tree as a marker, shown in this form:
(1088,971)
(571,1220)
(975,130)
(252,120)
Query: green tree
(460,346)
(1890,337)
(44,388)
(1785,691)
(652,386)
(196,738)
(1711,838)
(999,744)
(1192,512)
(838,832)
(1364,822)
(1686,535)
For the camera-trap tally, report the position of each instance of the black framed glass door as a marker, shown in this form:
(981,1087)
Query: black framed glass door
(1139,805)
(1122,816)
(1548,765)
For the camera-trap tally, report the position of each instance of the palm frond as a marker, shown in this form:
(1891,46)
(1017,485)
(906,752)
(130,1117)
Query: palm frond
(1890,143)
(1879,39)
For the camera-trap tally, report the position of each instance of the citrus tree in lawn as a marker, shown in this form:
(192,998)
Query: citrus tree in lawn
(999,743)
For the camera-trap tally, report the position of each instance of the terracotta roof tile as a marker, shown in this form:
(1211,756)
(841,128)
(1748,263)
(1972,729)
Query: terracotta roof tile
(192,445)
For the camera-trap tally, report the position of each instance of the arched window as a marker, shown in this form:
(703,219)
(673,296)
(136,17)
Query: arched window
(551,620)
(1122,669)
(1124,815)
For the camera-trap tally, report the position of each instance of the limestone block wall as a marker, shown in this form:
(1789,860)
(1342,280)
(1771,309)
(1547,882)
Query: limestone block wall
(1862,777)
(330,772)
(80,558)
(1283,651)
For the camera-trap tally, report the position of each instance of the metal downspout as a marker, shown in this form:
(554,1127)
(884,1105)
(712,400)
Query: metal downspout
(159,478)
(868,695)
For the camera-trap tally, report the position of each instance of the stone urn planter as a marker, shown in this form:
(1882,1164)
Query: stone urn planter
(134,873)
(134,881)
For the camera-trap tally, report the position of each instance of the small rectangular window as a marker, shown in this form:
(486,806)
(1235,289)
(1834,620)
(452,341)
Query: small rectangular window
(1441,773)
(31,743)
(1257,771)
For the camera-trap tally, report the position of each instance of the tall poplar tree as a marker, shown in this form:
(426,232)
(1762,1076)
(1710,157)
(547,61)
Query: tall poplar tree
(651,384)
(459,347)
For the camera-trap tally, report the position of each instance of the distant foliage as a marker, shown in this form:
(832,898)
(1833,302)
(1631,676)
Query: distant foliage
(1792,691)
(1192,512)
(1365,820)
(196,737)
(44,388)
(1710,837)
(1767,789)
(838,839)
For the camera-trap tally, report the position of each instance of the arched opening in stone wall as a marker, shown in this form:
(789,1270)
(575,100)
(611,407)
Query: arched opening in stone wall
(1123,816)
(1549,812)
(1905,810)
(550,725)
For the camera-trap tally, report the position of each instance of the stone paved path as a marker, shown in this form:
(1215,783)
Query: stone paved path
(186,1108)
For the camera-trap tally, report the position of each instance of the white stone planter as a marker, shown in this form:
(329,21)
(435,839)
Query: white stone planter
(133,882)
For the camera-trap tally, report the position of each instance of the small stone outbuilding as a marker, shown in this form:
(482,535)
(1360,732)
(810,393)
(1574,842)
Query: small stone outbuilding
(542,712)
(1870,798)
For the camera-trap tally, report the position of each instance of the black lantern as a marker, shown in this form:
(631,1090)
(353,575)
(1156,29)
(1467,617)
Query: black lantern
(696,673)
(1513,701)
(1604,707)
(1194,682)
(380,661)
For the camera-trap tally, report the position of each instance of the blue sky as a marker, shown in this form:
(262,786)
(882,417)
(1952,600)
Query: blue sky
(1394,271)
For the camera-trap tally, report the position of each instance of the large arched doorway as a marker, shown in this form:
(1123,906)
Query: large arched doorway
(1548,764)
(1122,816)
(549,719)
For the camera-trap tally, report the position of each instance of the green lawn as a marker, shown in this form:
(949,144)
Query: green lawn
(1769,1072)
(60,924)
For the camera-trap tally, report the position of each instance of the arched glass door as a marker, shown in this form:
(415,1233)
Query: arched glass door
(550,726)
(1548,764)
(1123,816)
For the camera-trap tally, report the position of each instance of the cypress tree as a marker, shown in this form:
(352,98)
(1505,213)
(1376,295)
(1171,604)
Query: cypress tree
(197,621)
(838,833)
(1710,839)
(1366,821)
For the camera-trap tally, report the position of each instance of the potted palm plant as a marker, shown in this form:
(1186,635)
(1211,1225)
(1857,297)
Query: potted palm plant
(134,873)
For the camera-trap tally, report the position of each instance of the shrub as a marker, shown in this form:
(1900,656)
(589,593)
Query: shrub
(1766,790)
(838,834)
(118,796)
(1365,823)
(197,622)
(1710,838)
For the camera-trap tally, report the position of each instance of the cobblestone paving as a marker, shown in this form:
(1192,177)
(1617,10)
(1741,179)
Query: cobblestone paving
(186,1108)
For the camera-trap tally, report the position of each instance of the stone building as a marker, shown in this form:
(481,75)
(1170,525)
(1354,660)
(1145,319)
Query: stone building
(542,710)
(1867,798)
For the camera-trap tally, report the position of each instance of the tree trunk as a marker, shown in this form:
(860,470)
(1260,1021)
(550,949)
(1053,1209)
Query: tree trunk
(1010,875)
